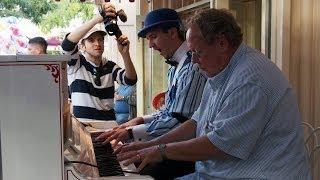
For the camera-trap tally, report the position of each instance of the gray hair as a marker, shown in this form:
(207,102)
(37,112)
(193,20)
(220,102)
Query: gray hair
(214,22)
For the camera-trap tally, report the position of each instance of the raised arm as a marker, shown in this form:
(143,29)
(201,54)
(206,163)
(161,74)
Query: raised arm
(123,47)
(77,34)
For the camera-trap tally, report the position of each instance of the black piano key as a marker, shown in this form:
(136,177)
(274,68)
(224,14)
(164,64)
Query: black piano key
(107,162)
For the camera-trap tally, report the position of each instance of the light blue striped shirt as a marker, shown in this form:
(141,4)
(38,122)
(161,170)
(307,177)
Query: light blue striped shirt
(182,98)
(250,112)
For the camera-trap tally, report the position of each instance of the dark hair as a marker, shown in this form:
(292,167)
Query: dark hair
(180,30)
(213,22)
(41,41)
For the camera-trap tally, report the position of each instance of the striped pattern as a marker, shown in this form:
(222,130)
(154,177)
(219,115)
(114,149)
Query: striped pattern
(91,101)
(182,99)
(249,111)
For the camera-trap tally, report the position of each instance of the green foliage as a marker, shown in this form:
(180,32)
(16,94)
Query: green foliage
(47,14)
(30,9)
(64,13)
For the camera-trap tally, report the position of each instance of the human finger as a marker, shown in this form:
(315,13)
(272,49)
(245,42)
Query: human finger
(133,159)
(143,164)
(116,142)
(132,147)
(123,37)
(109,6)
(111,137)
(118,148)
(126,156)
(123,41)
(104,135)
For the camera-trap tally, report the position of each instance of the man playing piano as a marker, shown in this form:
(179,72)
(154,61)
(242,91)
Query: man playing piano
(164,31)
(248,124)
(90,77)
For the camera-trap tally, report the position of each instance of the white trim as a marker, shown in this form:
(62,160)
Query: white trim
(280,34)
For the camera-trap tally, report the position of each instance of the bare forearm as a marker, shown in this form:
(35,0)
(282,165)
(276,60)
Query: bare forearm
(196,149)
(185,131)
(130,70)
(77,34)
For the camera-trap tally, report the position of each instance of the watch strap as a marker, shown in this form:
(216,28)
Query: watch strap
(161,148)
(130,133)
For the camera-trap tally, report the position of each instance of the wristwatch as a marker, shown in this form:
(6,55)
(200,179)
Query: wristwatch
(162,148)
(130,133)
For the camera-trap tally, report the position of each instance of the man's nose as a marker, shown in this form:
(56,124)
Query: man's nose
(96,42)
(151,44)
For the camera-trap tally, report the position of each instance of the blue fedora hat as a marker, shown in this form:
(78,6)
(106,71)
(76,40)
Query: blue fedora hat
(163,17)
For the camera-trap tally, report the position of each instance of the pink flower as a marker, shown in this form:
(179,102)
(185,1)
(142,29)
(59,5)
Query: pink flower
(15,31)
(21,43)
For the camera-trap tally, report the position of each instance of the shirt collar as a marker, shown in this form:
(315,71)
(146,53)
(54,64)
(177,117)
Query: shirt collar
(219,79)
(93,64)
(180,52)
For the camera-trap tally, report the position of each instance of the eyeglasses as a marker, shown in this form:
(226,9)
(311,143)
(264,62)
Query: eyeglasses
(196,53)
(97,74)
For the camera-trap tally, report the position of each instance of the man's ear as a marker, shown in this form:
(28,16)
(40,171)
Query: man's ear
(173,32)
(82,46)
(222,42)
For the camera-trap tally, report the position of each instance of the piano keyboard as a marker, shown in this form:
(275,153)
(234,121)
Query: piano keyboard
(107,162)
(84,148)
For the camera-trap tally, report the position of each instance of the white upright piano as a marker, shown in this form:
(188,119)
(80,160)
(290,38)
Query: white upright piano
(33,91)
(32,140)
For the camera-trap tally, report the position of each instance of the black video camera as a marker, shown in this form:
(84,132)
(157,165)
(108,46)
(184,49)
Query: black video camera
(110,23)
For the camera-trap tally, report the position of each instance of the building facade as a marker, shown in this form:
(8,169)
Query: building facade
(287,31)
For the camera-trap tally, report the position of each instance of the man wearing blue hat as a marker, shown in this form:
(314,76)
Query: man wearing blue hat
(164,31)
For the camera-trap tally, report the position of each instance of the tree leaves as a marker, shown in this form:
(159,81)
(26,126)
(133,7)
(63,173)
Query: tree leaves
(66,11)
(47,14)
(30,9)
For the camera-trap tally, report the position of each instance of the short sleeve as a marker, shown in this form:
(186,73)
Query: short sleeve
(240,121)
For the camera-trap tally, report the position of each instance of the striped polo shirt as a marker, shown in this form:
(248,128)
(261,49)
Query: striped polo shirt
(249,111)
(92,87)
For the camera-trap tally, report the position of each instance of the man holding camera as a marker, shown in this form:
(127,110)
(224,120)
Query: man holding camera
(90,77)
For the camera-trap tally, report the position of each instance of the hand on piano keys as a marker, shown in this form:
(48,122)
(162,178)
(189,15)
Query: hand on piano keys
(94,158)
(118,134)
(138,152)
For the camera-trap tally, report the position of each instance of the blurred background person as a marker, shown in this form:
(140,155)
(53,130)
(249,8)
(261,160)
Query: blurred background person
(125,103)
(37,46)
